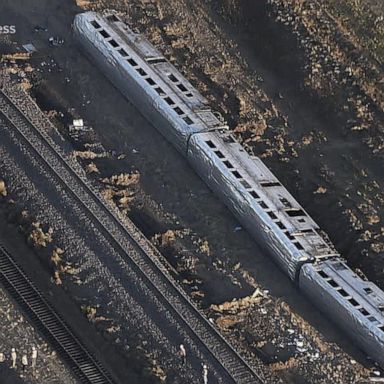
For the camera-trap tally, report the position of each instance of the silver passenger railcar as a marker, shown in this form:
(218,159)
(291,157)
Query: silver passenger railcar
(260,202)
(144,76)
(181,114)
(355,304)
(249,189)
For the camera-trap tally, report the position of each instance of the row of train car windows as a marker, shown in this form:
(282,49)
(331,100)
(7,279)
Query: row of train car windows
(95,24)
(254,194)
(123,53)
(189,121)
(180,85)
(112,18)
(290,212)
(141,71)
(351,300)
(160,91)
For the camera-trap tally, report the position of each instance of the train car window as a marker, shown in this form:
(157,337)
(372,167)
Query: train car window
(254,194)
(210,144)
(122,52)
(333,283)
(188,120)
(343,293)
(160,91)
(141,71)
(95,24)
(104,33)
(281,225)
(245,184)
(298,246)
(372,319)
(182,87)
(364,311)
(236,174)
(368,290)
(219,155)
(323,274)
(228,164)
(150,81)
(272,215)
(132,62)
(267,184)
(173,78)
(169,101)
(354,302)
(189,94)
(381,327)
(381,308)
(263,205)
(295,212)
(179,111)
(290,237)
(113,43)
(112,18)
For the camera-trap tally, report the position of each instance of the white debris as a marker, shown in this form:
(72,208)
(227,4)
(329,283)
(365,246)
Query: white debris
(30,48)
(78,123)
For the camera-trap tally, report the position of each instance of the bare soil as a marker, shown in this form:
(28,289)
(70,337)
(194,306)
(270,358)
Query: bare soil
(254,69)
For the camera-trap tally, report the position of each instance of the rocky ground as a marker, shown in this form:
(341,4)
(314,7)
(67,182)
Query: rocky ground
(274,70)
(16,332)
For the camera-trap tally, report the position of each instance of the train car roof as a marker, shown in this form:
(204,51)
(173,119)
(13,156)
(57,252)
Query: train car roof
(254,178)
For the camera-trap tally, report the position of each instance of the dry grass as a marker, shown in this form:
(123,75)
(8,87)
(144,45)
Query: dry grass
(83,3)
(365,20)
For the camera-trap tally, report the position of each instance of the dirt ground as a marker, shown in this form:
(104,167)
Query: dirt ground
(330,152)
(256,66)
(16,331)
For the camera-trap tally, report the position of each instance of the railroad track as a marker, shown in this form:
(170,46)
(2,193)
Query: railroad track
(152,271)
(53,327)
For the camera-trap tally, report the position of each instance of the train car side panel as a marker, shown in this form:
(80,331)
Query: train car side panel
(248,209)
(124,68)
(355,305)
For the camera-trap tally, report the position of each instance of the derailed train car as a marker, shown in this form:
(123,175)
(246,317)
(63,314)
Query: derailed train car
(255,196)
(355,304)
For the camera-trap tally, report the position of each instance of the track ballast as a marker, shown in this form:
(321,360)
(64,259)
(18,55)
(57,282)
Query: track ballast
(52,326)
(234,367)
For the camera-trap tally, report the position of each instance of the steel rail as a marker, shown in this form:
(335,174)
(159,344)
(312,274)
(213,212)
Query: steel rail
(151,269)
(50,323)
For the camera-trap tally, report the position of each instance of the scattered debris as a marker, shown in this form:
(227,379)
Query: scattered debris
(3,188)
(56,41)
(30,48)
